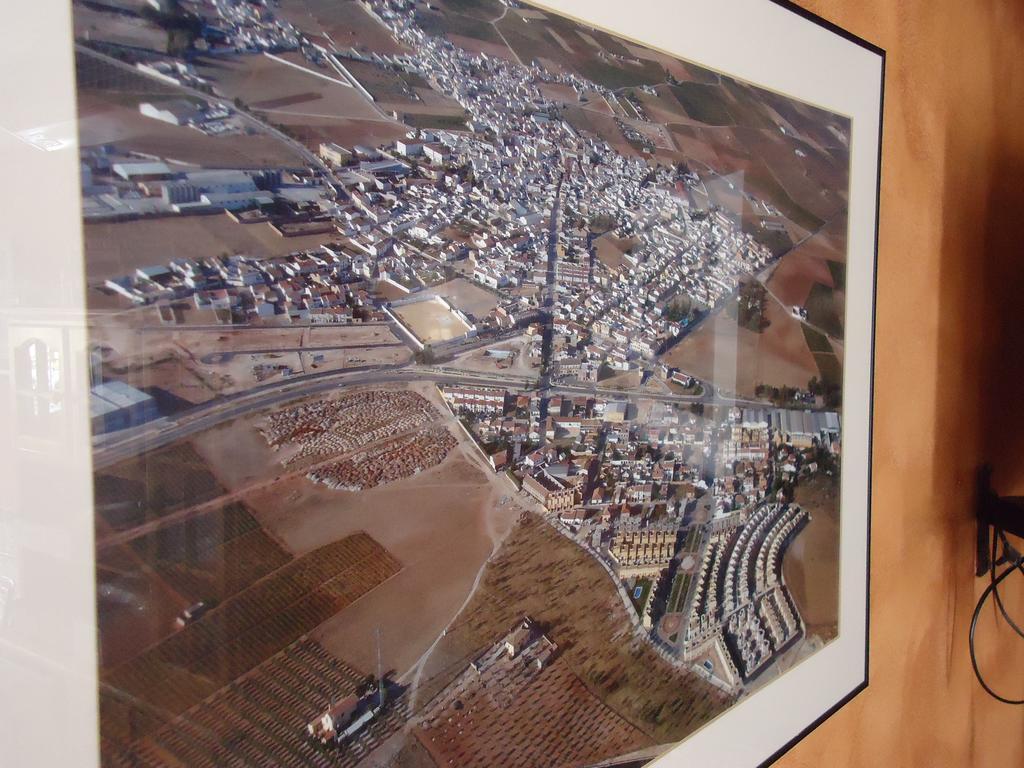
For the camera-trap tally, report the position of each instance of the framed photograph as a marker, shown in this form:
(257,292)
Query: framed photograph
(470,383)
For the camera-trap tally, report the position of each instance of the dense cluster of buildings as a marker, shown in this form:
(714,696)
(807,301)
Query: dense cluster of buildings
(241,26)
(511,198)
(395,459)
(647,486)
(540,178)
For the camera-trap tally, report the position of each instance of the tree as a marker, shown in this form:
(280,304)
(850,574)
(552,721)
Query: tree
(426,356)
(679,309)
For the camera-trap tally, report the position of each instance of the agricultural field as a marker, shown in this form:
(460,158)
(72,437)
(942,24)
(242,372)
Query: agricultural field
(212,556)
(821,310)
(313,130)
(403,92)
(261,718)
(108,113)
(738,359)
(152,485)
(135,607)
(566,723)
(118,248)
(540,573)
(345,22)
(261,80)
(239,634)
(98,25)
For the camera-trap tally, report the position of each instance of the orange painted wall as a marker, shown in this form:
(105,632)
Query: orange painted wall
(948,392)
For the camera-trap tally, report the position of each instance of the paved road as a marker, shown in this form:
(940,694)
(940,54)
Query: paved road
(222,357)
(114,447)
(550,293)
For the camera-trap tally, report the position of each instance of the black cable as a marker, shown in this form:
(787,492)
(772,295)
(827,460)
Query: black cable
(992,587)
(999,535)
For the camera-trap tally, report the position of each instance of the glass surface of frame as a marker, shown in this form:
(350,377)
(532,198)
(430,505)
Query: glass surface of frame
(462,383)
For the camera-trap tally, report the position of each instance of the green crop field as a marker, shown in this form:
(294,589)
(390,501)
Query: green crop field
(830,369)
(704,103)
(821,310)
(838,271)
(817,341)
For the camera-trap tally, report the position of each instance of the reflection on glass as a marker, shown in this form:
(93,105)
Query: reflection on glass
(465,384)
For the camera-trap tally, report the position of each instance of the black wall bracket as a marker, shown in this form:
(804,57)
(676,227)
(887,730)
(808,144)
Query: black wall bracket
(995,513)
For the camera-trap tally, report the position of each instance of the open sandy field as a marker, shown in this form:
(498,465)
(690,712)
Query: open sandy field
(441,525)
(465,295)
(479,360)
(808,264)
(257,80)
(345,131)
(113,249)
(811,564)
(430,321)
(610,249)
(106,118)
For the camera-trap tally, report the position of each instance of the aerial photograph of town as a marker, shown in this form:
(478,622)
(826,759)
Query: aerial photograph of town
(466,383)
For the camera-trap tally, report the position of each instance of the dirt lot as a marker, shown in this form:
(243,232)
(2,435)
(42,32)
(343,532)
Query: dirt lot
(467,296)
(479,360)
(441,525)
(430,321)
(738,359)
(117,248)
(611,248)
(187,365)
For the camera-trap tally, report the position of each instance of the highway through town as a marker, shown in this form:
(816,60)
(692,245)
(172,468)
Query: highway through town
(113,447)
